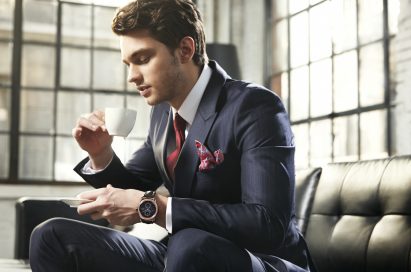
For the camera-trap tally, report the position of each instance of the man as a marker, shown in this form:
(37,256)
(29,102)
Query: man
(223,148)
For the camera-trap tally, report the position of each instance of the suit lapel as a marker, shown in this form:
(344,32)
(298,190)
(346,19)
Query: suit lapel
(160,144)
(188,160)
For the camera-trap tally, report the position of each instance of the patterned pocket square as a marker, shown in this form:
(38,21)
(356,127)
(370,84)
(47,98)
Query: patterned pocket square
(208,160)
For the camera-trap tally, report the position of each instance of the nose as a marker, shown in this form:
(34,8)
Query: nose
(134,75)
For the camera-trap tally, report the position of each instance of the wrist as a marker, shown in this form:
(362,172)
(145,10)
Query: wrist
(162,208)
(101,160)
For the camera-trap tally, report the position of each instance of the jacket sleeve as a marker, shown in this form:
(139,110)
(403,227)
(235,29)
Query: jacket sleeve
(261,222)
(140,172)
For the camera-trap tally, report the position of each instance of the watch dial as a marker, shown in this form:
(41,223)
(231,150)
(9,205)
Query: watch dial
(147,209)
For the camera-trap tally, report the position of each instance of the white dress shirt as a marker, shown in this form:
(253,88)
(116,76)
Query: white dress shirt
(187,111)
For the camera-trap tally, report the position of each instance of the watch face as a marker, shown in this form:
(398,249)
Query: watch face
(147,209)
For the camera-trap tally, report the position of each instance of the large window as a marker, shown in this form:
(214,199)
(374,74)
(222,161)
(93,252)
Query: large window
(59,60)
(331,65)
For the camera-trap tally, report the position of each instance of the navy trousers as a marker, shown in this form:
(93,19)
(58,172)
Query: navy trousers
(59,245)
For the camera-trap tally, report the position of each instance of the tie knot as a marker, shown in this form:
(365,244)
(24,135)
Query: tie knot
(179,122)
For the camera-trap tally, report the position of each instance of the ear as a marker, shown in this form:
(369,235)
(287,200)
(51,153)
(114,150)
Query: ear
(186,49)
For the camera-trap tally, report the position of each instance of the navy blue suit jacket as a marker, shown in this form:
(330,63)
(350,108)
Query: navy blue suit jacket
(249,198)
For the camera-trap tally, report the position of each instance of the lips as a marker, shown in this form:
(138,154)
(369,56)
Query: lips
(144,90)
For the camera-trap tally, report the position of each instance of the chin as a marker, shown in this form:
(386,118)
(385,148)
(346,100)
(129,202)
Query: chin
(151,101)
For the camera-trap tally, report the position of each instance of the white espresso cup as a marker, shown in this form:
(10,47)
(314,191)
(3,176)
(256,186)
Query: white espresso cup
(119,121)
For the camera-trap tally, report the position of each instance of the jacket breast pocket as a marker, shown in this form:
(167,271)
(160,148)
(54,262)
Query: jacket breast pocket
(209,183)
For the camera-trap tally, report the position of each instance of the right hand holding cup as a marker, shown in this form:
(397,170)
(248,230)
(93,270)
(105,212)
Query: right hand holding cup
(91,133)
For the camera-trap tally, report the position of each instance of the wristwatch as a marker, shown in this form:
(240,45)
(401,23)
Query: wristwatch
(147,209)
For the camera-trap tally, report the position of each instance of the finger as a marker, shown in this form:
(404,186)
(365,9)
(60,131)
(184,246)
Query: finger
(87,123)
(92,120)
(76,132)
(100,114)
(92,207)
(96,118)
(96,216)
(92,194)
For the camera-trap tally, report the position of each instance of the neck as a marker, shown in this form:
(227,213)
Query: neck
(189,77)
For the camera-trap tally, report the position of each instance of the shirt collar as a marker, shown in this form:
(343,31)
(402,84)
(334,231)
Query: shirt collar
(189,107)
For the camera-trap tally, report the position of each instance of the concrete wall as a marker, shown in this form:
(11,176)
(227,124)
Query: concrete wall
(402,64)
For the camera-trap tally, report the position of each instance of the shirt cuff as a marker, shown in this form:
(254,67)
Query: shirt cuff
(87,170)
(169,222)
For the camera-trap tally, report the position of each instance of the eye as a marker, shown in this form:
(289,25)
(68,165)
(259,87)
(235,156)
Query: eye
(143,60)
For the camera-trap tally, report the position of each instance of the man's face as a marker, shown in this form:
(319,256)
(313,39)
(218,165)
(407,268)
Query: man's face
(154,70)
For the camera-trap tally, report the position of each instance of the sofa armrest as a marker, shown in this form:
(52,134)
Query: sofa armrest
(305,186)
(31,211)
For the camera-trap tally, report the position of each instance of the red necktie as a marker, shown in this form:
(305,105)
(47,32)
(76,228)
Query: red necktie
(179,129)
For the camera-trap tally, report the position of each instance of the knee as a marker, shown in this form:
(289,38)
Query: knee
(191,241)
(47,232)
(188,245)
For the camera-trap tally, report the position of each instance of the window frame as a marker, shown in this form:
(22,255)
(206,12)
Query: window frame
(272,76)
(14,133)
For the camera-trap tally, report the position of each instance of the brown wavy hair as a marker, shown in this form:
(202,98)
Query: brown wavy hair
(168,21)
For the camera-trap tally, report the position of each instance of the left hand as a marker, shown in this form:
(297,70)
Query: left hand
(117,206)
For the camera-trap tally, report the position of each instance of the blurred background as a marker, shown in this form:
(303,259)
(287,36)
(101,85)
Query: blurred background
(342,68)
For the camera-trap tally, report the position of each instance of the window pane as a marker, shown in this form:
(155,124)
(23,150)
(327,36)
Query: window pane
(39,20)
(320,31)
(346,138)
(35,158)
(371,75)
(370,20)
(102,101)
(321,88)
(103,36)
(37,111)
(70,106)
(344,24)
(321,142)
(42,58)
(76,25)
(131,146)
(373,128)
(279,9)
(297,5)
(124,148)
(279,84)
(6,18)
(4,109)
(299,39)
(75,68)
(108,70)
(280,47)
(393,13)
(393,67)
(299,93)
(68,154)
(5,62)
(345,82)
(4,156)
(139,104)
(301,138)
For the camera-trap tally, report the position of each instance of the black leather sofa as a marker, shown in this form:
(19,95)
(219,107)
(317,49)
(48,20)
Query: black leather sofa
(355,216)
